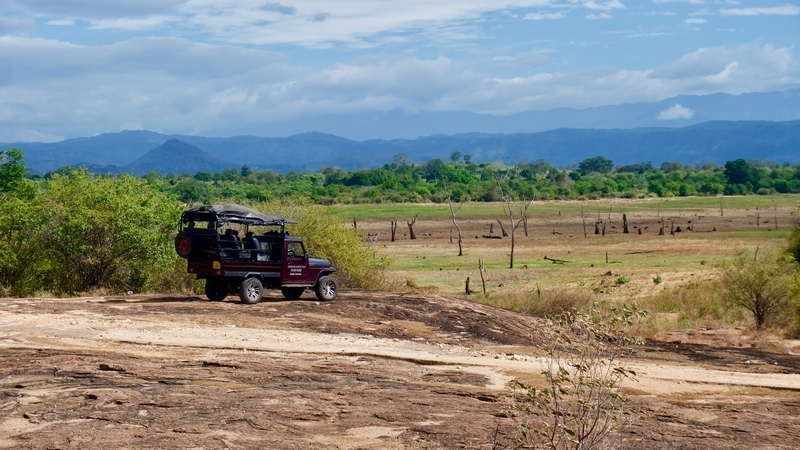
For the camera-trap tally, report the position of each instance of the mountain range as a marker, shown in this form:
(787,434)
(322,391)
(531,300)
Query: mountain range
(569,136)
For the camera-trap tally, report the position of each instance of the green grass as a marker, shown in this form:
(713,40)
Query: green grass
(476,210)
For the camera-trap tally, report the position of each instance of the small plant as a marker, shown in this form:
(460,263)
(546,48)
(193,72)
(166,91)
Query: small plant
(657,279)
(581,404)
(581,282)
(622,279)
(703,262)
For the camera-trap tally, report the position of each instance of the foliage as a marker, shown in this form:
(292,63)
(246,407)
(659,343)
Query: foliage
(21,263)
(581,403)
(599,164)
(102,232)
(403,181)
(327,237)
(794,244)
(764,286)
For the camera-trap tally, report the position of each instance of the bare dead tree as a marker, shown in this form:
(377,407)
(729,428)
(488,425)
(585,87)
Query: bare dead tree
(482,268)
(509,212)
(373,239)
(394,229)
(411,227)
(624,224)
(583,219)
(502,228)
(721,211)
(453,213)
(775,211)
(525,216)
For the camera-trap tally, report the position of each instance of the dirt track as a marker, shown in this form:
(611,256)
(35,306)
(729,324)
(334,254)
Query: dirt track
(368,371)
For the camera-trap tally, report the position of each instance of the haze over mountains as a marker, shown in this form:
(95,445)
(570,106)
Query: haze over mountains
(687,129)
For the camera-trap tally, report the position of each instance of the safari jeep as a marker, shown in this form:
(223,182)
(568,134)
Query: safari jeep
(220,248)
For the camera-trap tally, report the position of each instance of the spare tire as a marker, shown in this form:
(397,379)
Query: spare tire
(184,244)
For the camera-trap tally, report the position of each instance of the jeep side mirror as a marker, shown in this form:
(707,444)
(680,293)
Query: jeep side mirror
(305,255)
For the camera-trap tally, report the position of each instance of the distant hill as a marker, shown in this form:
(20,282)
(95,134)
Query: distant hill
(673,112)
(176,156)
(142,151)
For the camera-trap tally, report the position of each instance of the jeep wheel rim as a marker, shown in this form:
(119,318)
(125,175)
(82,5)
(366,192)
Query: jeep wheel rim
(329,289)
(253,292)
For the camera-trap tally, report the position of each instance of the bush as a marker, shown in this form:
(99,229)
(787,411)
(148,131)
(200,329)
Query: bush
(327,237)
(106,232)
(581,403)
(764,286)
(794,244)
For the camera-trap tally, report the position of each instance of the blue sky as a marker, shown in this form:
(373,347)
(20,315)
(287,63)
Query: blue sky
(216,67)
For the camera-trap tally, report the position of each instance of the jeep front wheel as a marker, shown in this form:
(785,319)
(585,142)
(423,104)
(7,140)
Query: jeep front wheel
(216,290)
(251,290)
(292,293)
(326,289)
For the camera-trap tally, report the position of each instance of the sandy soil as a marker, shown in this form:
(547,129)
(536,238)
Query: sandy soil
(368,371)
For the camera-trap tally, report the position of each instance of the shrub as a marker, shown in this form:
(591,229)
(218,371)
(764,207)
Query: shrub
(106,232)
(764,286)
(581,403)
(327,237)
(794,244)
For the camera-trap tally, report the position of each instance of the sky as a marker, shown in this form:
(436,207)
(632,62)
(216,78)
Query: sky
(216,67)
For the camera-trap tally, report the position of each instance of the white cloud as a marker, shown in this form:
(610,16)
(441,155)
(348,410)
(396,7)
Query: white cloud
(544,16)
(94,9)
(784,10)
(691,2)
(677,112)
(695,21)
(61,22)
(598,16)
(178,86)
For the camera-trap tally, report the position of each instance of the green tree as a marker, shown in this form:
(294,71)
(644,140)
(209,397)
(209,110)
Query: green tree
(455,156)
(599,164)
(12,174)
(739,172)
(106,232)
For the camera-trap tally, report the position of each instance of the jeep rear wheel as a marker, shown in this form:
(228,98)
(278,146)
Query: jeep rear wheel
(216,290)
(292,293)
(250,291)
(326,289)
(184,244)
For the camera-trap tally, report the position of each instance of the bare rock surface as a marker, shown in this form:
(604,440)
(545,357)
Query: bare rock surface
(367,371)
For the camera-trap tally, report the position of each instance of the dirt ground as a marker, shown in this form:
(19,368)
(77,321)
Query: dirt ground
(367,371)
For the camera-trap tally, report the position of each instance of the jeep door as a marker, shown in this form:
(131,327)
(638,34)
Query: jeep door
(295,267)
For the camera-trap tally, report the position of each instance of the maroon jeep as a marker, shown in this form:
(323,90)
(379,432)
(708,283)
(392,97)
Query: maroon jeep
(221,249)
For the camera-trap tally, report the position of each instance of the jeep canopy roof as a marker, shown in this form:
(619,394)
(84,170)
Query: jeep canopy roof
(232,213)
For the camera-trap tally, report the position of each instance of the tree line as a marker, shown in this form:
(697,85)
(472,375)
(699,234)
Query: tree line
(401,181)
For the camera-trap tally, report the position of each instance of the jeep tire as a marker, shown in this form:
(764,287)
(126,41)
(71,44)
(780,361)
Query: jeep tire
(326,289)
(216,290)
(250,291)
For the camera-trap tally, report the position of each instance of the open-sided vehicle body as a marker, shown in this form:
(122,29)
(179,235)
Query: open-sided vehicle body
(220,247)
